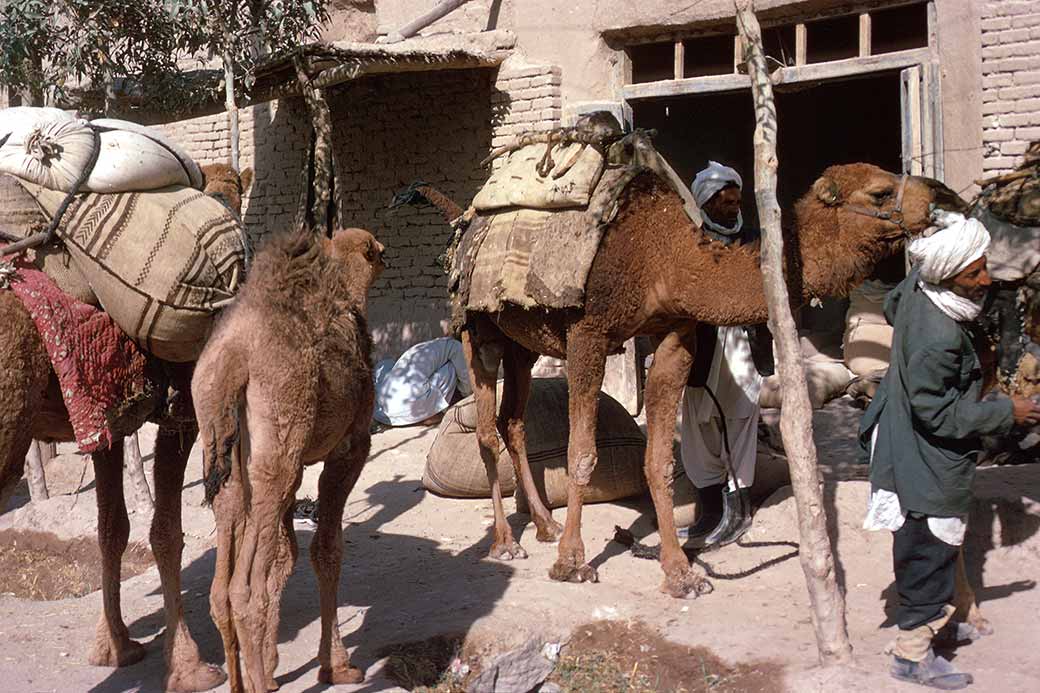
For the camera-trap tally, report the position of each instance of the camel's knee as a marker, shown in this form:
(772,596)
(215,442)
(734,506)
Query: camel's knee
(512,430)
(581,470)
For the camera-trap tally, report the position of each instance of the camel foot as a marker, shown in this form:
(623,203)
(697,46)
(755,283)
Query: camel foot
(108,652)
(980,622)
(198,676)
(346,674)
(566,571)
(686,584)
(549,530)
(507,551)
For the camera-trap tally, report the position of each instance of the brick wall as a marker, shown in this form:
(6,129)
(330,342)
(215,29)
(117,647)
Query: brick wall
(388,131)
(1010,81)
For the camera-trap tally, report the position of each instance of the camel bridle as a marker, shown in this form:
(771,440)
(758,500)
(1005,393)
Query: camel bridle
(895,215)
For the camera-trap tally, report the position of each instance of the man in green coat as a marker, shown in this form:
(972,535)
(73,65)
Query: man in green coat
(921,435)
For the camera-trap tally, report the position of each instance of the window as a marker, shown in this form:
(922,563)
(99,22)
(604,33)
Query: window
(899,28)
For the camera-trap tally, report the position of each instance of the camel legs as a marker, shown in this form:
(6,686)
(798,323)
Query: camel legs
(586,360)
(664,386)
(515,392)
(338,477)
(112,644)
(964,600)
(185,670)
(483,359)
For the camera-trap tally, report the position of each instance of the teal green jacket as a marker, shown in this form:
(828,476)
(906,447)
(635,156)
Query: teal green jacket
(929,410)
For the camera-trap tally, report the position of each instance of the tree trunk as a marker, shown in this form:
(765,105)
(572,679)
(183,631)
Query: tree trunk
(321,121)
(135,470)
(232,109)
(34,472)
(827,600)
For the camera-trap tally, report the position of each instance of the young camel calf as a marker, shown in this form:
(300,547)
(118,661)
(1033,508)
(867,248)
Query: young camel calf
(285,381)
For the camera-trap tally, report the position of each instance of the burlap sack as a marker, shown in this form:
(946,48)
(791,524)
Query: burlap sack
(826,379)
(454,467)
(516,182)
(162,263)
(20,216)
(867,344)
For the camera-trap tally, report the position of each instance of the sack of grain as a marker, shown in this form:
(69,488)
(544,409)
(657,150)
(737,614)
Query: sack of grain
(21,217)
(825,378)
(17,120)
(162,263)
(135,157)
(51,153)
(867,343)
(454,467)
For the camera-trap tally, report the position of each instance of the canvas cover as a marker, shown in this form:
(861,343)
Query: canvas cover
(161,262)
(517,183)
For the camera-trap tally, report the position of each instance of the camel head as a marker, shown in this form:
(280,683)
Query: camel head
(358,252)
(227,185)
(861,205)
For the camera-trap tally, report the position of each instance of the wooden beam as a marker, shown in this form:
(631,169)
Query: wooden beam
(680,60)
(836,69)
(864,34)
(693,85)
(825,596)
(801,43)
(738,53)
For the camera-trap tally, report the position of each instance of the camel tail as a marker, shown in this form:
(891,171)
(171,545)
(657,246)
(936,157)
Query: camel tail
(222,435)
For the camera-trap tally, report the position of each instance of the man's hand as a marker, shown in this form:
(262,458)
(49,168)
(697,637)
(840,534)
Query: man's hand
(1025,411)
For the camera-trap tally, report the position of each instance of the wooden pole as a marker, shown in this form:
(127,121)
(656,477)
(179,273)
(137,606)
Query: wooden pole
(321,121)
(34,472)
(828,603)
(135,470)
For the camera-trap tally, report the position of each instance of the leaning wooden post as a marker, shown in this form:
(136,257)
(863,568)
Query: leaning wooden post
(828,603)
(321,121)
(34,473)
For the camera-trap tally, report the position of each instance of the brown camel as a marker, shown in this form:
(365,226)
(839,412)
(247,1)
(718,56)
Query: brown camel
(289,362)
(31,407)
(655,274)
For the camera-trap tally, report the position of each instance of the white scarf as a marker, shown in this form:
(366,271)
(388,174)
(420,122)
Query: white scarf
(720,232)
(954,306)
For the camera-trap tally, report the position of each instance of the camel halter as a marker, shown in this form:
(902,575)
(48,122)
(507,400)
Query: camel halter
(895,215)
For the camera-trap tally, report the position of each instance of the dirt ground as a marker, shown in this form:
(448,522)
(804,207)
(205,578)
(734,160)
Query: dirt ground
(416,568)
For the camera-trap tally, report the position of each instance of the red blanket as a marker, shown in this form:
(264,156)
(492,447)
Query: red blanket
(99,368)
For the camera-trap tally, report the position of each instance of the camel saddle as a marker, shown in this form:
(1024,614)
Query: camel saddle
(532,238)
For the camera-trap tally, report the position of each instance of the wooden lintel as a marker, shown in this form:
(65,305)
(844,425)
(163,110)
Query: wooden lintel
(864,34)
(680,87)
(801,43)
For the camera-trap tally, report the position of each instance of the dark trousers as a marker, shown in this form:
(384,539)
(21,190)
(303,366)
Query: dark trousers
(925,572)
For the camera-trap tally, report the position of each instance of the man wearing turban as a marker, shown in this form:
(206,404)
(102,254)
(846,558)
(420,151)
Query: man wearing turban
(921,434)
(719,443)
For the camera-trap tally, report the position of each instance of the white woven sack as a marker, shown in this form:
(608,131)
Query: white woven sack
(17,119)
(191,169)
(129,162)
(50,153)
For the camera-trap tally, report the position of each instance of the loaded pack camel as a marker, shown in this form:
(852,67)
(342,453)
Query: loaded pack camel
(31,407)
(285,381)
(655,274)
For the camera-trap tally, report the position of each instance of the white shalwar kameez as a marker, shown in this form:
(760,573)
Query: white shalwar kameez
(736,383)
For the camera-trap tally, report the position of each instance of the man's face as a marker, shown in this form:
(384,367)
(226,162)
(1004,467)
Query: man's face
(972,282)
(724,206)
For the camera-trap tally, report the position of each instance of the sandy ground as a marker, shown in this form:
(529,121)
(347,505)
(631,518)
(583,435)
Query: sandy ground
(416,566)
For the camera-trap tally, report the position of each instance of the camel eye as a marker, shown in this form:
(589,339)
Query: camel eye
(881,196)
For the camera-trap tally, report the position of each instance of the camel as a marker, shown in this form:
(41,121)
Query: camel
(655,274)
(289,366)
(31,407)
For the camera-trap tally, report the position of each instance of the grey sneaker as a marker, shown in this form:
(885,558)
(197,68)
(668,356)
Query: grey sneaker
(932,671)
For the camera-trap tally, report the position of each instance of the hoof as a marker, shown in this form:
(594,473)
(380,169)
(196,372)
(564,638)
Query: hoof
(565,571)
(548,532)
(108,653)
(200,677)
(507,551)
(347,674)
(687,584)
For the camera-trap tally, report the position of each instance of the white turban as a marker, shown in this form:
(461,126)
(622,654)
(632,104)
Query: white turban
(957,243)
(713,179)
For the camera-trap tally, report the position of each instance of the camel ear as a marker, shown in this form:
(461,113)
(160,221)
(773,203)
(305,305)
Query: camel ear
(245,179)
(826,191)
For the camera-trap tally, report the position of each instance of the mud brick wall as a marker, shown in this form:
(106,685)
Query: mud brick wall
(1010,81)
(388,131)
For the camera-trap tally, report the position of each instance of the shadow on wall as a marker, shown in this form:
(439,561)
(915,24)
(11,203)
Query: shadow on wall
(389,131)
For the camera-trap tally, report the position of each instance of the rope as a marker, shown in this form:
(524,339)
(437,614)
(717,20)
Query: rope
(45,237)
